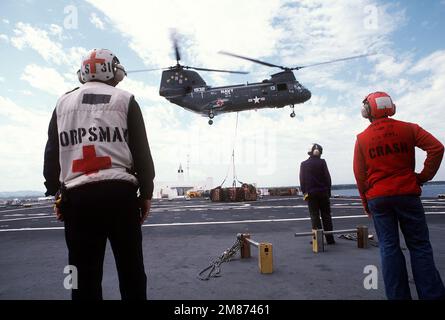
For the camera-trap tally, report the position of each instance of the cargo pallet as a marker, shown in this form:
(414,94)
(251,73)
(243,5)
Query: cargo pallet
(246,192)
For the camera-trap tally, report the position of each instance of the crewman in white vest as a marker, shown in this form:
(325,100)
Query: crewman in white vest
(99,166)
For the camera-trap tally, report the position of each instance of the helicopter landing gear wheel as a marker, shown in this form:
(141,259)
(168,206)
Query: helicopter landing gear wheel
(292,115)
(211,116)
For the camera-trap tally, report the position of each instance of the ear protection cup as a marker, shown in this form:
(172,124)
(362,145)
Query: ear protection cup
(393,111)
(365,110)
(378,105)
(119,72)
(315,150)
(79,77)
(309,152)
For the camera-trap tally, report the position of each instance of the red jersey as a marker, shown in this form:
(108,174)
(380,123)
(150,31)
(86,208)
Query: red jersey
(384,159)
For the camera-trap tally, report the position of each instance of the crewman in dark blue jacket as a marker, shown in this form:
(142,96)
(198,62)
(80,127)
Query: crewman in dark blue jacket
(315,183)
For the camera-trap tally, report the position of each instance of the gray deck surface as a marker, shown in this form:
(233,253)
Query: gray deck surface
(182,237)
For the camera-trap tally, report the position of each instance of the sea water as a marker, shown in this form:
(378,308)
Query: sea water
(429,190)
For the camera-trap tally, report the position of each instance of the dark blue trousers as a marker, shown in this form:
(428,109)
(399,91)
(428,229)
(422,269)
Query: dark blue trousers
(97,212)
(407,211)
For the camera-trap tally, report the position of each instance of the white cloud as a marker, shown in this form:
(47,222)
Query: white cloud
(389,67)
(422,102)
(4,37)
(285,33)
(37,39)
(435,62)
(23,140)
(40,41)
(270,145)
(96,21)
(204,25)
(74,57)
(46,79)
(2,79)
(6,21)
(141,90)
(26,92)
(56,30)
(324,30)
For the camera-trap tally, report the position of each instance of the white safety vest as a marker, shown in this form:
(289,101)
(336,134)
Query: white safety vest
(93,135)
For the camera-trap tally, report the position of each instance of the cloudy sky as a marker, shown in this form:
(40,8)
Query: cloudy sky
(42,43)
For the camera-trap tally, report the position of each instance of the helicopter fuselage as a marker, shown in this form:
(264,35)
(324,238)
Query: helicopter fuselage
(185,87)
(280,90)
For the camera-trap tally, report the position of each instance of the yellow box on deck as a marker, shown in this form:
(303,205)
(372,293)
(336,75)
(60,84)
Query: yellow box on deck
(265,257)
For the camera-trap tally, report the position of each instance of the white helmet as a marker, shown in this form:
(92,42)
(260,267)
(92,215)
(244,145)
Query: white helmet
(100,65)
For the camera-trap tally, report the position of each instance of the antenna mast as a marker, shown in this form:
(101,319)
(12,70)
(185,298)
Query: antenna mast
(188,167)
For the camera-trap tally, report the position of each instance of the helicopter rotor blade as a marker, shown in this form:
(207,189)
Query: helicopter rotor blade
(177,54)
(252,60)
(215,70)
(333,61)
(174,39)
(146,70)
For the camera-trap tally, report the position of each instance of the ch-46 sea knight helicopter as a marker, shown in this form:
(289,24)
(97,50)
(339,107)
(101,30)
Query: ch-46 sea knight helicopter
(186,88)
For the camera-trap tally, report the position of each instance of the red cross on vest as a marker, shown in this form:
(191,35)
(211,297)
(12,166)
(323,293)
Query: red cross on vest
(92,62)
(90,162)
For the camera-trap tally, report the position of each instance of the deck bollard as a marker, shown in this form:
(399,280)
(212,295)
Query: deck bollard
(245,248)
(318,236)
(362,237)
(265,253)
(317,240)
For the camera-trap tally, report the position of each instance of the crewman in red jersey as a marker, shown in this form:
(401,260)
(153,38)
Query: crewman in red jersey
(384,164)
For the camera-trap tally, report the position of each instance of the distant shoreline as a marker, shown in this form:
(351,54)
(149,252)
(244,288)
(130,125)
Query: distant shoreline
(348,186)
(354,186)
(33,194)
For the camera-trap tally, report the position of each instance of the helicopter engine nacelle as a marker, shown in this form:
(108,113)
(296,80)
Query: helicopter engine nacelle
(172,92)
(178,82)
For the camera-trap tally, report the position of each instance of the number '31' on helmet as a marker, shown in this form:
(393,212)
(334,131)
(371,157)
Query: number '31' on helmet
(100,65)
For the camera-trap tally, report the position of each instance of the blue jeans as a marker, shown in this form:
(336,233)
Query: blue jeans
(388,213)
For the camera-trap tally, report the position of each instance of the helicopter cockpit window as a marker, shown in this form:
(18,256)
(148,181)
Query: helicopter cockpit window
(281,86)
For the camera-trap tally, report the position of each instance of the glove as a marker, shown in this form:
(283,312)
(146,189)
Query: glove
(306,197)
(57,206)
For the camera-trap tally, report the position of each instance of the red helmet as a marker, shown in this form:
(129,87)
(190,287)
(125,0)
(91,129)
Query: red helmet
(378,105)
